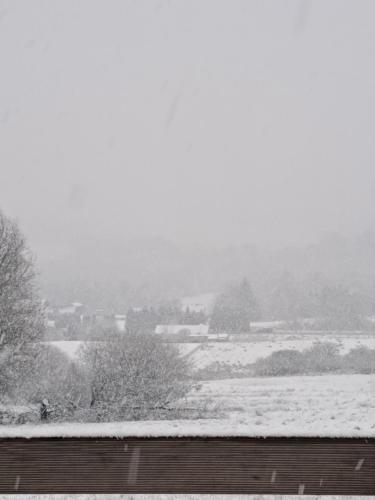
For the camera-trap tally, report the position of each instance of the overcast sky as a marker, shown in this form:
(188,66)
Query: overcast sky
(197,120)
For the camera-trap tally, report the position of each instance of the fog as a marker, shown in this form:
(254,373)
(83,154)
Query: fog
(205,123)
(187,223)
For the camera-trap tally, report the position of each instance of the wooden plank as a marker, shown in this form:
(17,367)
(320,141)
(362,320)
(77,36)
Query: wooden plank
(188,465)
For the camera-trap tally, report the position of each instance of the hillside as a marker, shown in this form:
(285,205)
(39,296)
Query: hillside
(149,270)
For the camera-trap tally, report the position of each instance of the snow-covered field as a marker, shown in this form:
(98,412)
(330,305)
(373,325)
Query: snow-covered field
(243,353)
(325,405)
(321,405)
(68,347)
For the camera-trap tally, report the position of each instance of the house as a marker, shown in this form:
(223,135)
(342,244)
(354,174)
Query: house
(265,326)
(120,322)
(189,330)
(72,308)
(219,337)
(198,303)
(101,319)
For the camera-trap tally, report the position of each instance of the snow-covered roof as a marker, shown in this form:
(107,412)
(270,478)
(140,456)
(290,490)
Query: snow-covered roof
(267,324)
(175,329)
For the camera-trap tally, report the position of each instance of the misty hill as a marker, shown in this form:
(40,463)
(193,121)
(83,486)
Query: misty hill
(115,275)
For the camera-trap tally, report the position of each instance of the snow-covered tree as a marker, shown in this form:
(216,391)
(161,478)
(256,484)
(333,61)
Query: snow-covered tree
(134,376)
(234,309)
(53,376)
(287,299)
(340,309)
(21,319)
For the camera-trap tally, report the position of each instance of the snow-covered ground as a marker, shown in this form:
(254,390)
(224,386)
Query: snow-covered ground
(325,405)
(322,405)
(69,347)
(243,353)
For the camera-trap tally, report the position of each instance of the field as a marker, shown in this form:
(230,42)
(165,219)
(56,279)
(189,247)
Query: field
(246,352)
(294,405)
(322,405)
(262,345)
(325,405)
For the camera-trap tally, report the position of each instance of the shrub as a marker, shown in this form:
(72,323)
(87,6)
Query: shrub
(135,377)
(322,357)
(360,360)
(284,362)
(17,415)
(52,376)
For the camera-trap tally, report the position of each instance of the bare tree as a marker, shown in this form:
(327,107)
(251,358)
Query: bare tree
(21,318)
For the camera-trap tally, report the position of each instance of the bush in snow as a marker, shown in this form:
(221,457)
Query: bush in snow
(360,360)
(12,414)
(134,377)
(322,357)
(52,376)
(284,362)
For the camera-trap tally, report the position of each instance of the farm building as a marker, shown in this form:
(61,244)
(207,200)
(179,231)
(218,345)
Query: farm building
(181,329)
(198,303)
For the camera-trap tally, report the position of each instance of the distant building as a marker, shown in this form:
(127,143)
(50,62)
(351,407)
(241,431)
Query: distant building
(219,337)
(100,319)
(265,326)
(73,308)
(181,329)
(199,303)
(120,322)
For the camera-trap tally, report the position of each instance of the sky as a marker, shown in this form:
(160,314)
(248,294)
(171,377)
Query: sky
(200,121)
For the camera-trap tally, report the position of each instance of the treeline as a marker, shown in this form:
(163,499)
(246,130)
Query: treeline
(311,304)
(233,311)
(122,282)
(328,304)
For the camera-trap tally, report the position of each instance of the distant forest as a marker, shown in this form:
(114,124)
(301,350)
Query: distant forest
(147,272)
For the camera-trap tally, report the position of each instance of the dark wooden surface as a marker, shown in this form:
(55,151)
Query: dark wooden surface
(186,465)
